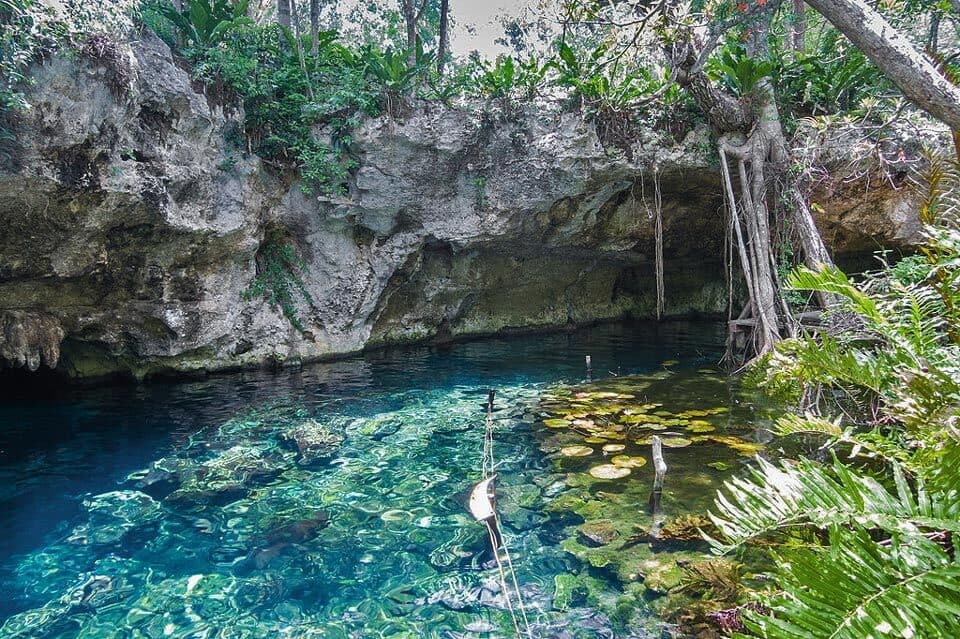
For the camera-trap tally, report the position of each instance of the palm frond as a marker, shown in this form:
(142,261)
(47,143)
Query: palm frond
(857,588)
(776,499)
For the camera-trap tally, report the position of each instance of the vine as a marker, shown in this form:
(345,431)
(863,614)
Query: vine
(279,277)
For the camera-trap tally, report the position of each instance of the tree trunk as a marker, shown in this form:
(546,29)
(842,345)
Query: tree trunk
(314,24)
(754,159)
(411,16)
(799,31)
(444,35)
(283,13)
(895,56)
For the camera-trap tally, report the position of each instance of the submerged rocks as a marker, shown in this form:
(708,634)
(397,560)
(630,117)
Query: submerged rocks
(315,441)
(111,516)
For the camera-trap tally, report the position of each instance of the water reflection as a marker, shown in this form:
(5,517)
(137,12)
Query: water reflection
(196,509)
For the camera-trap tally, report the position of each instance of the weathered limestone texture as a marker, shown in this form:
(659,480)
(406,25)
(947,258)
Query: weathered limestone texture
(131,223)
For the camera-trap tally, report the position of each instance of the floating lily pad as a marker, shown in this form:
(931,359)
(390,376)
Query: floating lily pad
(594,440)
(627,461)
(613,448)
(556,423)
(609,471)
(742,446)
(576,451)
(700,426)
(609,434)
(676,442)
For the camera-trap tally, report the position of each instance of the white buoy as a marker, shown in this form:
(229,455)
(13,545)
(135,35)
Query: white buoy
(481,504)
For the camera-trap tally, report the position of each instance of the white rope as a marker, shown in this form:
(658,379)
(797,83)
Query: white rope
(488,465)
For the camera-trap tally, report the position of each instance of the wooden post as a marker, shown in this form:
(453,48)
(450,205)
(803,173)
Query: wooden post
(659,471)
(589,362)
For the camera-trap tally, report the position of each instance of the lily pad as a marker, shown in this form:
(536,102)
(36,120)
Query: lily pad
(594,440)
(613,448)
(627,461)
(700,426)
(556,423)
(609,471)
(676,442)
(609,434)
(742,446)
(576,451)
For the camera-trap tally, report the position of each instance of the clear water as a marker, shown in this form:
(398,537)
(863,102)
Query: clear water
(227,536)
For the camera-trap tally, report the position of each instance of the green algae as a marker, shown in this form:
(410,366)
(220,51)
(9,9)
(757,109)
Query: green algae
(649,552)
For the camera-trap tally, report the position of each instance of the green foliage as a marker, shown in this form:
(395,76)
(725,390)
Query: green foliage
(202,23)
(866,543)
(25,34)
(832,78)
(480,199)
(278,278)
(736,70)
(286,101)
(910,270)
(897,360)
(600,82)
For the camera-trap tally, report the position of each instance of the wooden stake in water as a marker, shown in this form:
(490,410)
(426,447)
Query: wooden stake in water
(659,471)
(589,367)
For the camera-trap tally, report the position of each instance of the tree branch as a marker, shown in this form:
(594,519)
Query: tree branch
(895,56)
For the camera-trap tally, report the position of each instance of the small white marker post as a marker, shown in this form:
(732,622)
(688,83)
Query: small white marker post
(659,471)
(589,367)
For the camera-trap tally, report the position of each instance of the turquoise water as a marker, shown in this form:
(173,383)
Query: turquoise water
(323,502)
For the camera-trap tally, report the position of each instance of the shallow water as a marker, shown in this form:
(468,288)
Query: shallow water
(187,510)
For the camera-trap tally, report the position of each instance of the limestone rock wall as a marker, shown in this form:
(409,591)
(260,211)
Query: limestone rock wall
(131,223)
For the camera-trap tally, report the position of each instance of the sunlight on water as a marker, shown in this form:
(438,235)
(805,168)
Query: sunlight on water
(323,503)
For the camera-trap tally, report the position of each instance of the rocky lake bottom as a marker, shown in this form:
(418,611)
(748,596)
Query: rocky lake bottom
(331,501)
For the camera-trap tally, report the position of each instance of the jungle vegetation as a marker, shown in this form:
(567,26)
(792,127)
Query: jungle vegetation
(864,529)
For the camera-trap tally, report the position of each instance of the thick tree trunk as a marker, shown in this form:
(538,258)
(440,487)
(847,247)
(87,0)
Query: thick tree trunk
(799,32)
(754,160)
(283,13)
(444,35)
(895,56)
(314,24)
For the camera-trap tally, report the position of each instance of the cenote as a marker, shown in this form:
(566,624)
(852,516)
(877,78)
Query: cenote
(329,501)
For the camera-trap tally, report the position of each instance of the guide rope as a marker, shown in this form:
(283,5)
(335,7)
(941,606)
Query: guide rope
(488,465)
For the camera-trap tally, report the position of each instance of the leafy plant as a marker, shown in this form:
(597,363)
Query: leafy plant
(278,279)
(202,23)
(287,100)
(831,78)
(738,71)
(866,543)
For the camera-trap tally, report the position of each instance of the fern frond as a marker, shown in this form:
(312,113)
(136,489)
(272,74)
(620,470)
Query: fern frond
(791,424)
(858,588)
(779,498)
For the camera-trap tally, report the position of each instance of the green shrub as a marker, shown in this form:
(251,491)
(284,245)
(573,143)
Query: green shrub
(866,542)
(279,277)
(288,103)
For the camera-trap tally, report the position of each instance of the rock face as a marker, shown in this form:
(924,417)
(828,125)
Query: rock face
(131,223)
